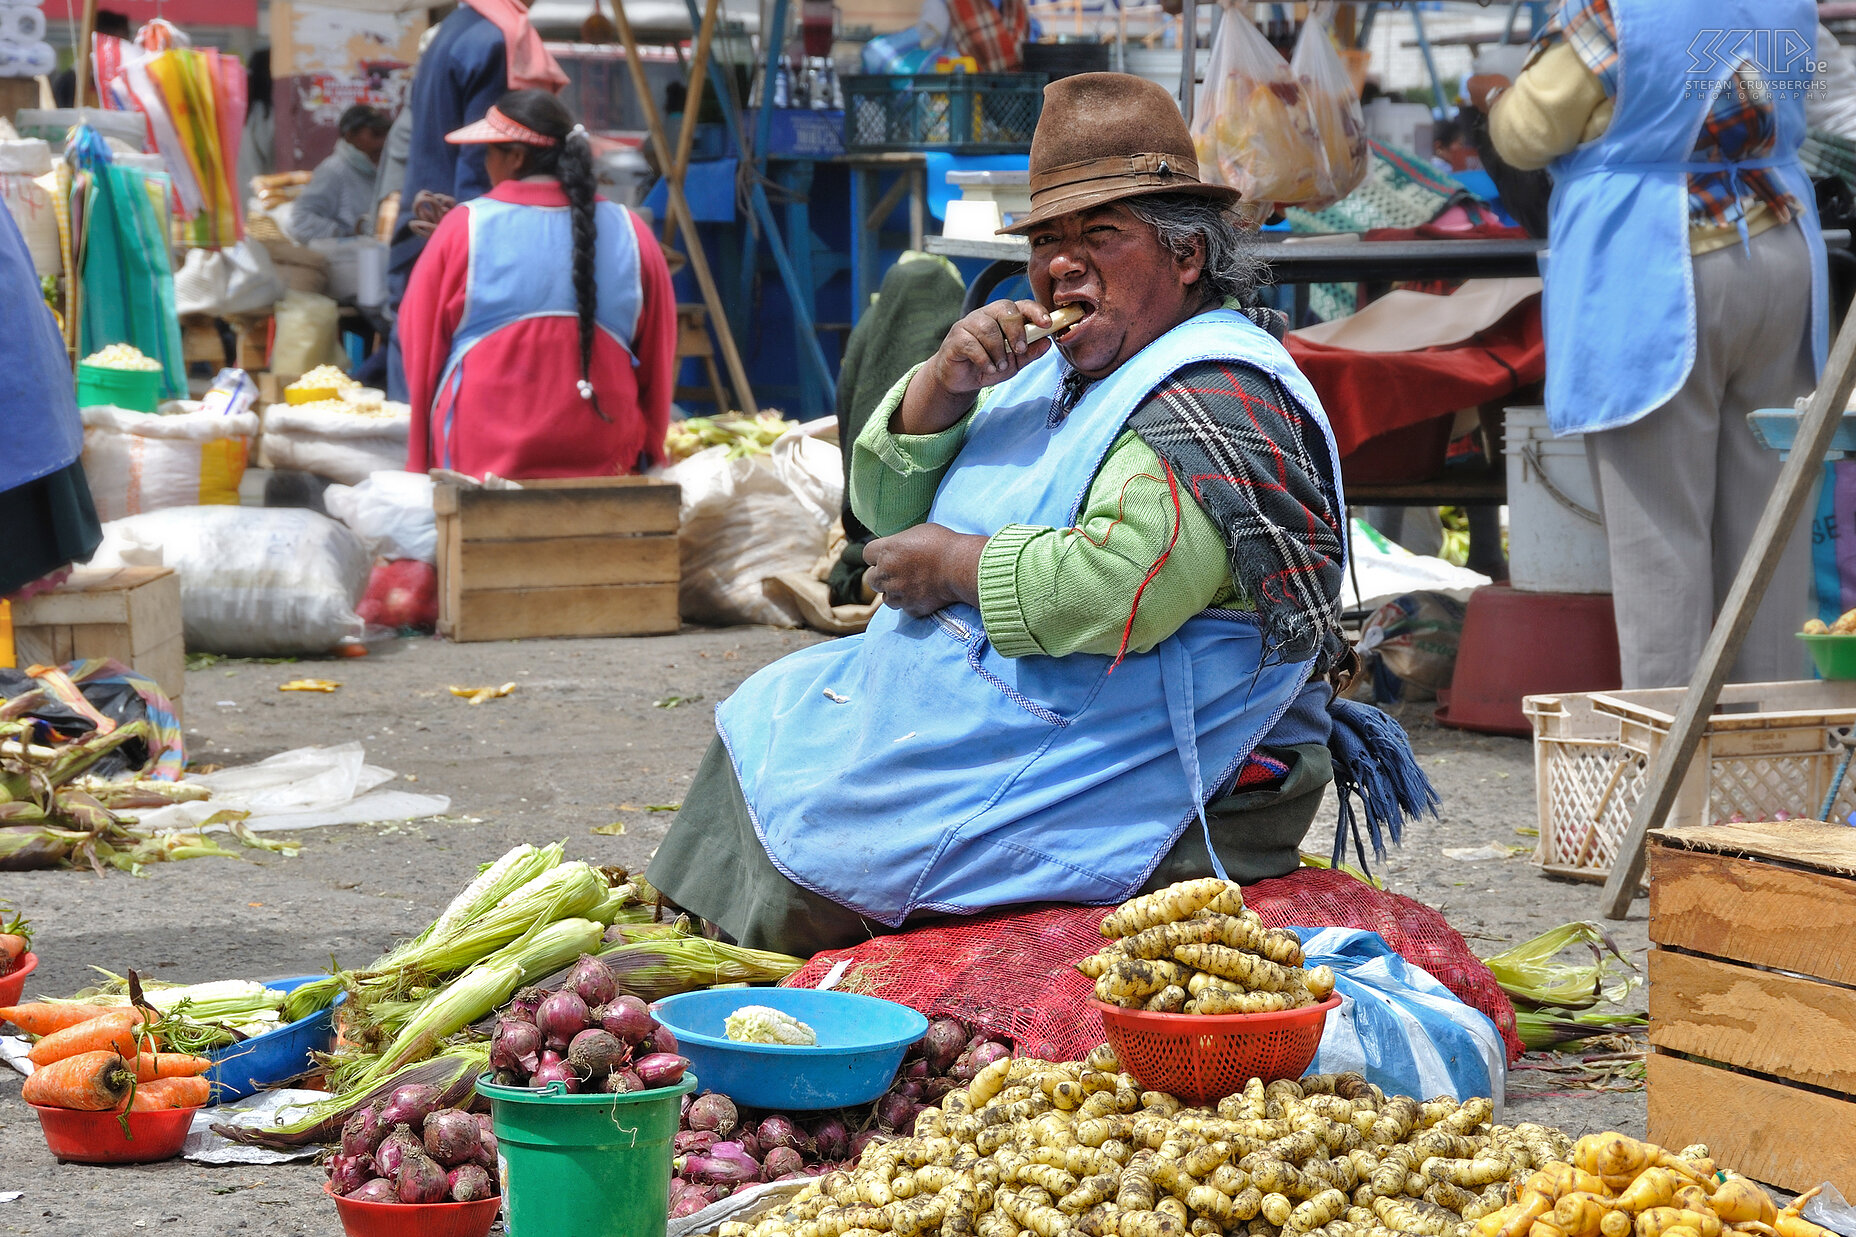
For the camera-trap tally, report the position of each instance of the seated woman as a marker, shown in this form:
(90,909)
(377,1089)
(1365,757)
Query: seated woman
(539,330)
(1112,570)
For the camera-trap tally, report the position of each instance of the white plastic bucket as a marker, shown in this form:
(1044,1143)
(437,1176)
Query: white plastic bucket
(1556,539)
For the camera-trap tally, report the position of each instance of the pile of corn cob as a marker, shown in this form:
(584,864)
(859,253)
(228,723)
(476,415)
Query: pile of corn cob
(1194,948)
(1051,1150)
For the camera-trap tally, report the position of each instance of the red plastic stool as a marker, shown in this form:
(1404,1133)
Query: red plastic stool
(1517,644)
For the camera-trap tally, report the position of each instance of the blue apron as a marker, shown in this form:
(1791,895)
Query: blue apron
(521,268)
(40,432)
(1620,286)
(914,767)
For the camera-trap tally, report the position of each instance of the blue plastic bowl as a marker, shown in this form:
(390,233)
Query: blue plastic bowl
(251,1065)
(861,1040)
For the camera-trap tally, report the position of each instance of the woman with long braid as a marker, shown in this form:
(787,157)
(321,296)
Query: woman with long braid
(539,328)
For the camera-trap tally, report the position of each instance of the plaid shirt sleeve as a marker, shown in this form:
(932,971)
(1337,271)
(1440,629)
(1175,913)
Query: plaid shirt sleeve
(992,35)
(1740,126)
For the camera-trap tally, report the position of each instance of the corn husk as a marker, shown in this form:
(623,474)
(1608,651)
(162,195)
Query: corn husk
(658,967)
(1532,971)
(474,994)
(1545,1029)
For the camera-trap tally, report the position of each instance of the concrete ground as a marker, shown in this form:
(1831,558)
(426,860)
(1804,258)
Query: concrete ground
(597,731)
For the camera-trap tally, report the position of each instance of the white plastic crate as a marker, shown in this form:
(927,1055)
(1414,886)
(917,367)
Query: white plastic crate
(1768,753)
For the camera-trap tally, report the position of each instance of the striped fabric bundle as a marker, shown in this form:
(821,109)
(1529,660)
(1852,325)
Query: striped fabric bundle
(1398,1026)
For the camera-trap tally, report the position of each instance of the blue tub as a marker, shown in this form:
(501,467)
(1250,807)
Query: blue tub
(861,1042)
(276,1056)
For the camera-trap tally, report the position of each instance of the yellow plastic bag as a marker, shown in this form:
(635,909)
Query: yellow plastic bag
(1251,122)
(1333,109)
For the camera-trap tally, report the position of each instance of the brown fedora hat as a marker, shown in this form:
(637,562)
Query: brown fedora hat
(1106,136)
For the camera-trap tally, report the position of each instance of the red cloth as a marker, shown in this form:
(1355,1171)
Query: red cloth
(520,415)
(531,64)
(992,35)
(1371,393)
(1012,972)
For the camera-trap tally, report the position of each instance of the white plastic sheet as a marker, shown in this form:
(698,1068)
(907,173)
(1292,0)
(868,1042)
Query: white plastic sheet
(1383,570)
(391,511)
(302,789)
(255,1111)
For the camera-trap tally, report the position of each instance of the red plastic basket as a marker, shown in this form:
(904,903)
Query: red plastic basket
(13,983)
(364,1219)
(97,1137)
(1201,1058)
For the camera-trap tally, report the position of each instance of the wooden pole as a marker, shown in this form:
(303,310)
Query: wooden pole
(85,29)
(1819,424)
(692,103)
(680,211)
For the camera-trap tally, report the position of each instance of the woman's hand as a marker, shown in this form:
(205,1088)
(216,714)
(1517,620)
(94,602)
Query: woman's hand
(983,349)
(925,568)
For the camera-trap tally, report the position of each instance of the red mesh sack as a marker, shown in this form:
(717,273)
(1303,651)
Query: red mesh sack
(402,592)
(1013,972)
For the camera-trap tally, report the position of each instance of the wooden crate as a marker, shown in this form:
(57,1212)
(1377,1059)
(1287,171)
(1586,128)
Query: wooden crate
(131,614)
(1753,998)
(592,556)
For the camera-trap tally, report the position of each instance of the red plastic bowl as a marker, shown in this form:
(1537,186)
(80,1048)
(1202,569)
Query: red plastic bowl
(13,983)
(1201,1058)
(361,1219)
(97,1137)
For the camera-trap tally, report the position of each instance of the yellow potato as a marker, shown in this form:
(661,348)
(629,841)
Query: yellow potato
(1816,627)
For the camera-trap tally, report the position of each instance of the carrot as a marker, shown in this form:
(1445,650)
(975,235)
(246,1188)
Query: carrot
(89,1081)
(46,1017)
(172,1093)
(13,946)
(151,1065)
(114,1031)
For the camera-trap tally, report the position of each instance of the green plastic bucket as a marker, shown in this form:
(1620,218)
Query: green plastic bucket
(138,390)
(584,1165)
(1835,655)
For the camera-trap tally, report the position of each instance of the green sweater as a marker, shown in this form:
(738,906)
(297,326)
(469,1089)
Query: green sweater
(1057,591)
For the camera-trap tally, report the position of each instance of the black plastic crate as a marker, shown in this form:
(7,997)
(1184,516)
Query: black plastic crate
(961,113)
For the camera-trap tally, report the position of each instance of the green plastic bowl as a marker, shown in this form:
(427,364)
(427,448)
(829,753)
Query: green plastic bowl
(1835,655)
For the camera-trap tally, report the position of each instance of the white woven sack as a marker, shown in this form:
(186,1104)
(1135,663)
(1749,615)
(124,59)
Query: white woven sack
(342,446)
(140,461)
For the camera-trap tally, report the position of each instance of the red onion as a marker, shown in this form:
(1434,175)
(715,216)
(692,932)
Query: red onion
(452,1137)
(935,1088)
(686,1205)
(945,1041)
(487,1148)
(420,1179)
(726,1164)
(623,1082)
(379,1190)
(363,1130)
(594,1053)
(626,1017)
(988,1052)
(749,1143)
(781,1162)
(591,980)
(408,1105)
(779,1131)
(348,1173)
(864,1138)
(896,1112)
(830,1139)
(514,1045)
(559,1071)
(526,1002)
(469,1183)
(912,1090)
(693,1142)
(716,1112)
(914,1071)
(660,1069)
(663,1040)
(548,1056)
(561,1017)
(393,1150)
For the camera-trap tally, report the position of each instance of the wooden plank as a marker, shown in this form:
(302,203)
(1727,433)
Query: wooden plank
(1810,843)
(166,664)
(554,562)
(1754,912)
(1795,1028)
(522,614)
(450,578)
(506,515)
(93,596)
(155,612)
(1784,1136)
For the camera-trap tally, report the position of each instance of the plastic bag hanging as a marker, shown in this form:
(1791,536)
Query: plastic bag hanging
(1333,109)
(1251,123)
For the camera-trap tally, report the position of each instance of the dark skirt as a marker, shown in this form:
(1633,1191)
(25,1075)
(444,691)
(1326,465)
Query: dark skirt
(49,524)
(712,863)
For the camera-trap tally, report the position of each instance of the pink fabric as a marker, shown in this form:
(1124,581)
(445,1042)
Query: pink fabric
(531,65)
(518,415)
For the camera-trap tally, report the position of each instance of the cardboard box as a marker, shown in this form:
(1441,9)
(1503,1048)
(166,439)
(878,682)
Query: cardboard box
(593,556)
(1753,998)
(131,614)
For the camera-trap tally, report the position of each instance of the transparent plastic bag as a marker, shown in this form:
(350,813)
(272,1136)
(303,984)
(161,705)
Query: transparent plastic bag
(1333,109)
(1251,122)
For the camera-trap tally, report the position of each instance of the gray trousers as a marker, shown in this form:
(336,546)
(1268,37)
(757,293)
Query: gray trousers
(1683,488)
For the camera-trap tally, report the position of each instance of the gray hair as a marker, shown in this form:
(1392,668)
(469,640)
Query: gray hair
(1233,267)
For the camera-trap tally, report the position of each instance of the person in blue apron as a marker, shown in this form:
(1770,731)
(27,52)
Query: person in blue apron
(1112,568)
(1685,287)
